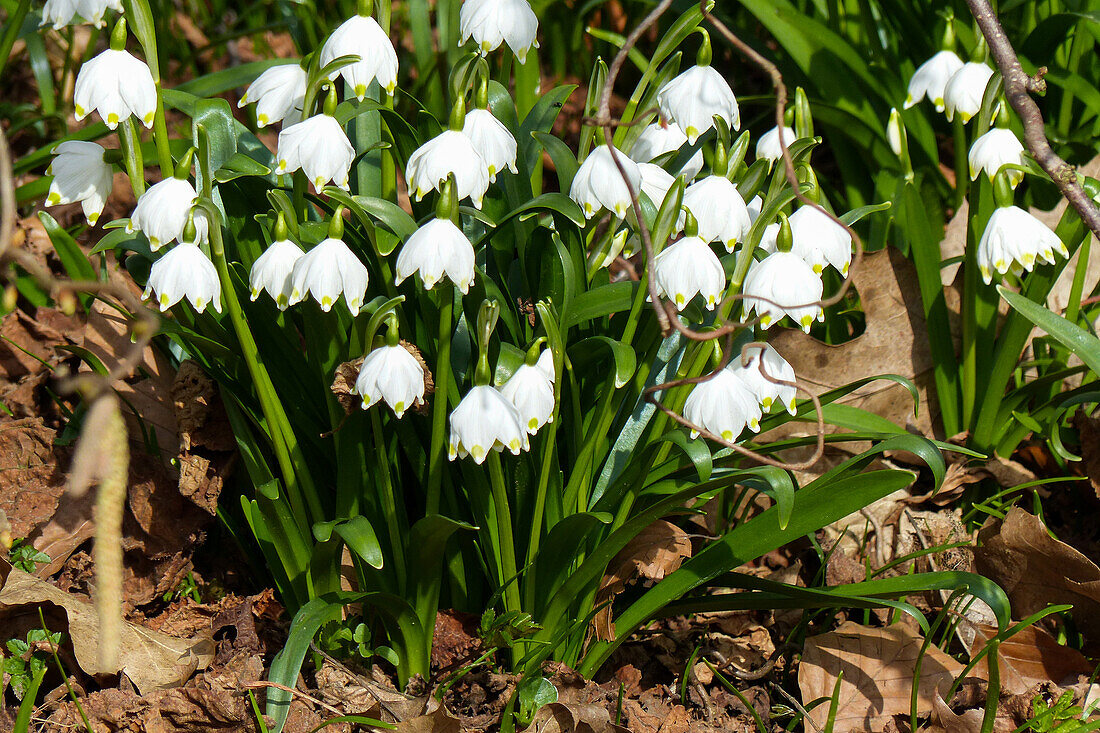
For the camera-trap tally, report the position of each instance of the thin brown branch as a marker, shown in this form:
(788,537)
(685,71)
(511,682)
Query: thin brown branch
(1018,88)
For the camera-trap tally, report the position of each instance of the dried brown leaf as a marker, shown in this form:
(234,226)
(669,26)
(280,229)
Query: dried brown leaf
(1030,657)
(151,660)
(656,551)
(1089,430)
(968,721)
(1036,570)
(31,483)
(878,669)
(574,718)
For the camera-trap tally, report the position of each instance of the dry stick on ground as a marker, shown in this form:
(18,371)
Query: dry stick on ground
(667,316)
(1018,86)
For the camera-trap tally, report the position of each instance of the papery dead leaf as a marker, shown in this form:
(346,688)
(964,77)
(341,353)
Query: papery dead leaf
(437,721)
(969,721)
(878,669)
(656,551)
(1036,570)
(1030,657)
(151,660)
(558,717)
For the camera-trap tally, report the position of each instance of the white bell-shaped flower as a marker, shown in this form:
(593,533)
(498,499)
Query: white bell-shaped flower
(994,149)
(161,212)
(279,94)
(116,85)
(687,268)
(361,36)
(965,89)
(598,182)
(184,272)
(320,147)
(328,271)
(663,137)
(720,210)
(493,22)
(655,182)
(755,205)
(436,250)
(60,13)
(491,140)
(531,390)
(930,79)
(695,97)
(722,405)
(392,374)
(790,284)
(768,147)
(272,272)
(767,391)
(450,152)
(820,241)
(1013,239)
(80,174)
(485,420)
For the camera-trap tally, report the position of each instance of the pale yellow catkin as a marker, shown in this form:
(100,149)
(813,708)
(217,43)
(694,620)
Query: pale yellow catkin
(103,456)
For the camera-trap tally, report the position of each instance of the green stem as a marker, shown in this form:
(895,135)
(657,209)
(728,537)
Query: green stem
(962,165)
(507,546)
(389,501)
(160,135)
(437,453)
(11,32)
(132,158)
(301,207)
(276,419)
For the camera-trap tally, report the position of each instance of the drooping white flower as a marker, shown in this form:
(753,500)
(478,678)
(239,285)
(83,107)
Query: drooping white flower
(80,174)
(161,213)
(436,250)
(755,205)
(320,147)
(1013,239)
(820,241)
(785,279)
(493,22)
(449,152)
(362,36)
(695,97)
(720,210)
(485,420)
(184,272)
(531,390)
(61,13)
(392,374)
(598,182)
(279,94)
(930,79)
(491,140)
(965,89)
(655,182)
(723,405)
(663,137)
(272,272)
(768,147)
(767,392)
(687,268)
(994,149)
(328,271)
(116,85)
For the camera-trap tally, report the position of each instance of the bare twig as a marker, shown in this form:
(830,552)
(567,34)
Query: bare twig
(1018,88)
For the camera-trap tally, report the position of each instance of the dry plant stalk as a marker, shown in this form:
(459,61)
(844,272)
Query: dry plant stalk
(103,457)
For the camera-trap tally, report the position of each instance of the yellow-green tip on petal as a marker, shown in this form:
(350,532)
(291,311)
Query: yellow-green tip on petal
(533,423)
(53,199)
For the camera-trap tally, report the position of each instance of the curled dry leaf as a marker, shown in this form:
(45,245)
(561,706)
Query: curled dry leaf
(878,669)
(947,720)
(558,717)
(1036,570)
(152,661)
(655,552)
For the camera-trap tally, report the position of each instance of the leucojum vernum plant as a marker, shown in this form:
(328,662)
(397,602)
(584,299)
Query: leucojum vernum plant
(435,356)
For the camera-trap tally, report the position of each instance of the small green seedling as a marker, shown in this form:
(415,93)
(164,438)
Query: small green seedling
(25,557)
(27,664)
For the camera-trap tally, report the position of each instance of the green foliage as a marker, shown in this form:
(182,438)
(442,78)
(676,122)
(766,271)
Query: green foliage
(25,557)
(27,661)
